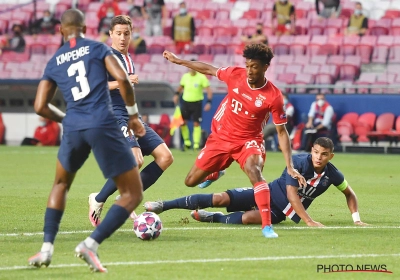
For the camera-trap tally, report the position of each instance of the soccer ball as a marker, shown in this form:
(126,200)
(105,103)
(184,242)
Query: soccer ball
(147,226)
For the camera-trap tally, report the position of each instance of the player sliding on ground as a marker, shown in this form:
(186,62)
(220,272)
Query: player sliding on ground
(238,122)
(288,199)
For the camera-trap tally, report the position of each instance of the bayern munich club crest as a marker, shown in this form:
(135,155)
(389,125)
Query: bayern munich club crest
(258,102)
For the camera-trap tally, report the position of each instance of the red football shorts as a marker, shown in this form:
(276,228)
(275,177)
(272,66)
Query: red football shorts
(282,28)
(219,154)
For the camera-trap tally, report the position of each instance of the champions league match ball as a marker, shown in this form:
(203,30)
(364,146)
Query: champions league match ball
(147,226)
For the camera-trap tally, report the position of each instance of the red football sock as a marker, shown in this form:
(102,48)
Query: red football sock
(213,176)
(262,197)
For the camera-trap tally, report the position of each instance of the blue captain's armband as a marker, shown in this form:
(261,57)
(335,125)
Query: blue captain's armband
(342,186)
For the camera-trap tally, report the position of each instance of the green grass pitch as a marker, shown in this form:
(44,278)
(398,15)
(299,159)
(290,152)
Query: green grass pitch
(188,249)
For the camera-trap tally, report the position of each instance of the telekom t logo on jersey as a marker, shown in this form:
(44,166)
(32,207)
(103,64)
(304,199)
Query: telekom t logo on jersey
(237,106)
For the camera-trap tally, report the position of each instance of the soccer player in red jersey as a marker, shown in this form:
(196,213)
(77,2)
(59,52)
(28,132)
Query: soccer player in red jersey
(238,122)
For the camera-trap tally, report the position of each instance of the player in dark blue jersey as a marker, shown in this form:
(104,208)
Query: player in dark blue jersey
(150,144)
(79,69)
(287,198)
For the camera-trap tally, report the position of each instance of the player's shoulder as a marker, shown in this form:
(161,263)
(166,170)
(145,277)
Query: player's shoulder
(271,87)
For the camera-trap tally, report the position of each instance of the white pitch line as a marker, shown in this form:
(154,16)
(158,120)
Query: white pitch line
(276,258)
(277,228)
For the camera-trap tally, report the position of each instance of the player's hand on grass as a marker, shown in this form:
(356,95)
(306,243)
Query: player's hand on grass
(136,125)
(134,79)
(296,175)
(170,56)
(359,223)
(313,223)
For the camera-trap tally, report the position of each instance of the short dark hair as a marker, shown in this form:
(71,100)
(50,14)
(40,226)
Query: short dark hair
(124,20)
(73,17)
(324,142)
(261,52)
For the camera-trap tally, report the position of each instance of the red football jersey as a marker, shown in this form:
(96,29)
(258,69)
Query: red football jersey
(243,113)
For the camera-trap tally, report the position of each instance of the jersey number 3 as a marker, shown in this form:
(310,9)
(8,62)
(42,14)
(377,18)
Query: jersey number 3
(81,79)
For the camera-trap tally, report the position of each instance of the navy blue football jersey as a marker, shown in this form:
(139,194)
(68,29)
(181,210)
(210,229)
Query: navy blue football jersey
(117,101)
(79,70)
(317,184)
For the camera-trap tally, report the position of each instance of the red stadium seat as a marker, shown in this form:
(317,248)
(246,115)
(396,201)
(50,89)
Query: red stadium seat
(351,117)
(277,69)
(336,60)
(315,44)
(285,59)
(368,119)
(394,135)
(311,69)
(295,69)
(303,79)
(381,27)
(347,9)
(394,52)
(317,26)
(302,26)
(365,79)
(342,86)
(349,45)
(350,69)
(299,45)
(344,132)
(384,124)
(395,28)
(301,60)
(283,44)
(302,9)
(333,26)
(332,46)
(385,79)
(252,14)
(319,59)
(365,48)
(381,50)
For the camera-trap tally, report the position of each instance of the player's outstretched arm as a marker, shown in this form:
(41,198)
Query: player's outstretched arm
(353,205)
(45,93)
(284,143)
(204,68)
(298,207)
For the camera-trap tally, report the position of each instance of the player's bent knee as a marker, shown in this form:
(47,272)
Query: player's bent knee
(221,199)
(251,217)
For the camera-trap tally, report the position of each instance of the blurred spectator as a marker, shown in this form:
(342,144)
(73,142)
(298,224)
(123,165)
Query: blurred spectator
(283,10)
(358,23)
(183,30)
(135,11)
(331,8)
(258,37)
(138,43)
(270,128)
(105,24)
(319,122)
(154,12)
(47,134)
(45,25)
(104,9)
(14,43)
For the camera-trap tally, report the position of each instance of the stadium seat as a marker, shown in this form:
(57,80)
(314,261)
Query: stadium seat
(316,43)
(381,27)
(299,45)
(394,51)
(283,44)
(317,26)
(252,14)
(142,58)
(350,69)
(302,26)
(311,69)
(384,124)
(333,26)
(365,79)
(365,48)
(347,9)
(335,60)
(385,79)
(368,119)
(301,60)
(394,135)
(277,69)
(295,69)
(351,117)
(303,79)
(344,132)
(381,50)
(395,28)
(342,86)
(285,59)
(349,45)
(332,45)
(319,59)
(302,9)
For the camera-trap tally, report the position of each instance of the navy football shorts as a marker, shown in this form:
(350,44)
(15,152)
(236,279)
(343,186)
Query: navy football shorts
(147,143)
(242,199)
(111,151)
